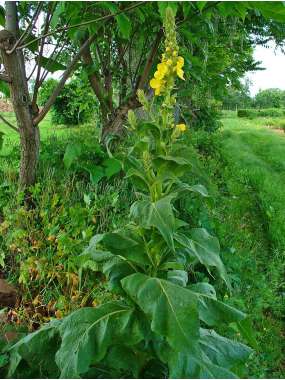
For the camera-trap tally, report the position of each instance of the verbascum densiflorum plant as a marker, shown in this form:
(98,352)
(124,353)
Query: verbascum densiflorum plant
(161,323)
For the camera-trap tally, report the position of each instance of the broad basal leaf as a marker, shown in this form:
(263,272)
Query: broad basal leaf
(156,214)
(171,308)
(38,350)
(88,333)
(212,311)
(222,351)
(182,366)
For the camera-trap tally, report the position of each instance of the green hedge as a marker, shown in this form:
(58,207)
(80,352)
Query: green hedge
(251,113)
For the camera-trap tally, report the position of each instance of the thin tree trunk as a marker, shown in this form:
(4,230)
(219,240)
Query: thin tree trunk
(15,69)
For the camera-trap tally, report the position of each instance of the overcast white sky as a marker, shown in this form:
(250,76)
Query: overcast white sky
(274,75)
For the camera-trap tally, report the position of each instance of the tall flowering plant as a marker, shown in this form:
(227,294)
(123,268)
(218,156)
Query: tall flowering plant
(160,323)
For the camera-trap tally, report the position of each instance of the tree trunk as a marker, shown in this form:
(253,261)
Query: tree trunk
(29,134)
(15,69)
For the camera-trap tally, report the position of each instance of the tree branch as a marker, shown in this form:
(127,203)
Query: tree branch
(9,124)
(143,78)
(26,32)
(64,78)
(93,79)
(102,18)
(41,50)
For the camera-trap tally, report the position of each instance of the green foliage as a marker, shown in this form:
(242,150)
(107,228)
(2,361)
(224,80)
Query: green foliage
(252,113)
(270,98)
(46,90)
(74,105)
(102,167)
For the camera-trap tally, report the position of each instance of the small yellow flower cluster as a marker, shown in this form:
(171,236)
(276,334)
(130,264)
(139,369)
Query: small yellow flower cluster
(171,63)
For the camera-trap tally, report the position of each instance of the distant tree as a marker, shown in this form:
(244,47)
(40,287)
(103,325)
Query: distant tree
(270,98)
(237,97)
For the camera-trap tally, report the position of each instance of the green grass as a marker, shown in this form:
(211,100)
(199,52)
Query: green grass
(248,172)
(47,130)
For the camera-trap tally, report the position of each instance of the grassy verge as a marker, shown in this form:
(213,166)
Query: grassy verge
(246,165)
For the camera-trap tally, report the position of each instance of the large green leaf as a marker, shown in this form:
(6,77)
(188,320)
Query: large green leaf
(112,166)
(72,153)
(171,308)
(182,366)
(88,333)
(214,312)
(205,248)
(38,351)
(222,351)
(275,11)
(156,214)
(127,243)
(113,265)
(50,64)
(123,21)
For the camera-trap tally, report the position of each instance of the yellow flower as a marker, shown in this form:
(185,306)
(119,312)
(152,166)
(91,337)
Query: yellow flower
(157,91)
(175,53)
(168,48)
(162,68)
(169,62)
(180,73)
(180,61)
(158,75)
(181,127)
(155,83)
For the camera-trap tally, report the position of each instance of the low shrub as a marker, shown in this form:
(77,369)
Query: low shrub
(74,105)
(268,112)
(246,113)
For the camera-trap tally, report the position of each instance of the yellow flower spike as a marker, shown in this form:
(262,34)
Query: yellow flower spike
(169,62)
(155,83)
(181,127)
